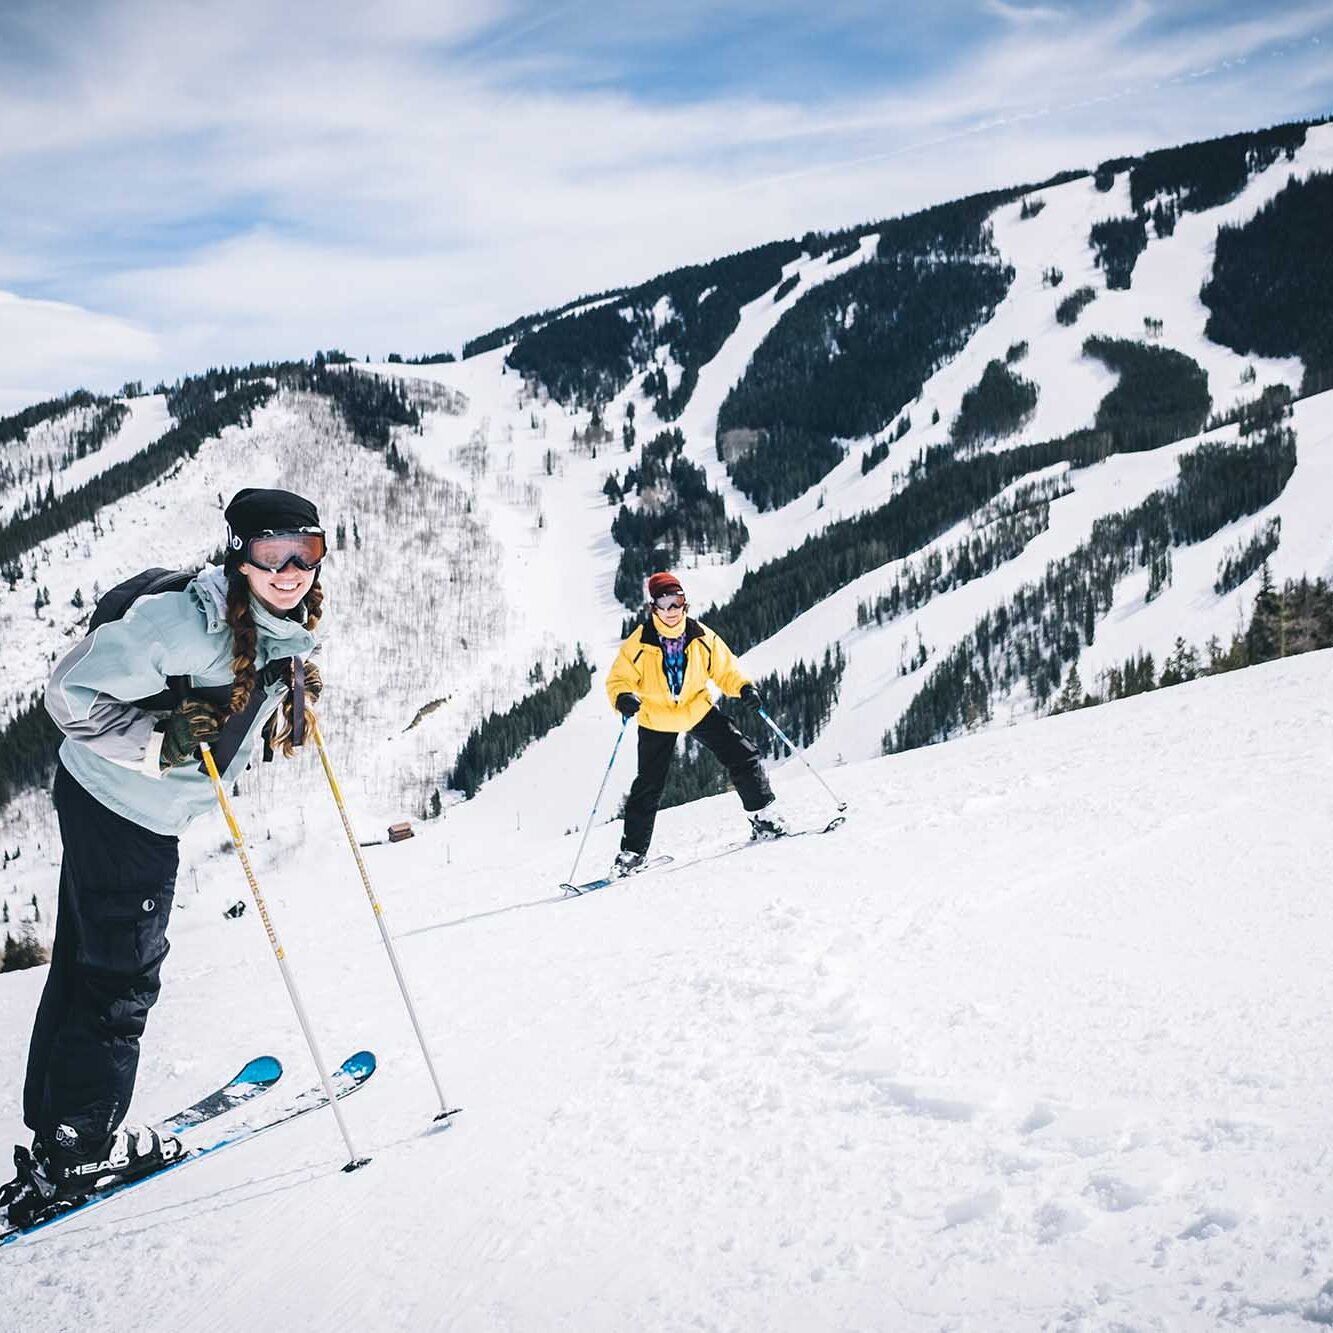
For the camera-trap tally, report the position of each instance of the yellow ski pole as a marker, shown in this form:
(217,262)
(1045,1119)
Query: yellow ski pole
(353,1161)
(445,1111)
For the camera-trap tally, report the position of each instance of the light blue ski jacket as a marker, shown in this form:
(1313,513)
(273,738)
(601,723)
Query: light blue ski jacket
(111,748)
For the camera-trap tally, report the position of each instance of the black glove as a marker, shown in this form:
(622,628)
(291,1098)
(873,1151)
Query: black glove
(314,684)
(191,721)
(627,704)
(751,697)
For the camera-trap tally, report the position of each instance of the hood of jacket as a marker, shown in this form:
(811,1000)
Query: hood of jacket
(209,590)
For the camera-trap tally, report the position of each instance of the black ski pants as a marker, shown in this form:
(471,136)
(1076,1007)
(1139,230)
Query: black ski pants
(117,881)
(656,749)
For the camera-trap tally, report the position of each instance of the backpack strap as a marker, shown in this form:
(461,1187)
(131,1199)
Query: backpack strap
(298,701)
(165,700)
(236,727)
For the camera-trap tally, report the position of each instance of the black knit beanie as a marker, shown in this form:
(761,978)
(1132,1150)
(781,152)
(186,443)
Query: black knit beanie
(253,511)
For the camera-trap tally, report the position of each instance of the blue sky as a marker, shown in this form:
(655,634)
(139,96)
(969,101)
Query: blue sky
(188,184)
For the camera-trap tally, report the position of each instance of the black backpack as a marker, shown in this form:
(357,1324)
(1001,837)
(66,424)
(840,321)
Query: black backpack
(115,602)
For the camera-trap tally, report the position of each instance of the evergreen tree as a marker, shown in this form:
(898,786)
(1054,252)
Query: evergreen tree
(1046,624)
(23,952)
(1068,311)
(1264,637)
(1118,242)
(502,737)
(848,357)
(1272,281)
(1000,404)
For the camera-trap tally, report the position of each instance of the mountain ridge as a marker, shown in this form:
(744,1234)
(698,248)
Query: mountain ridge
(526,517)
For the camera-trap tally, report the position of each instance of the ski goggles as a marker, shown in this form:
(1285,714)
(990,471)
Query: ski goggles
(274,551)
(672,601)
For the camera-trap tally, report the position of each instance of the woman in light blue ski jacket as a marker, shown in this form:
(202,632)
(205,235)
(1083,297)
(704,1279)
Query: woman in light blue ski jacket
(113,748)
(216,661)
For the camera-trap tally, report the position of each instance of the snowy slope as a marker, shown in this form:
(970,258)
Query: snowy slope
(874,695)
(148,419)
(1038,1040)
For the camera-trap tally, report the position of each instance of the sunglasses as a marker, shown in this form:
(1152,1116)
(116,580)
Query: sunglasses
(274,551)
(674,601)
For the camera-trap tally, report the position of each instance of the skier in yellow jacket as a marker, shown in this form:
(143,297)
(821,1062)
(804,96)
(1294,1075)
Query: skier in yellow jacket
(661,677)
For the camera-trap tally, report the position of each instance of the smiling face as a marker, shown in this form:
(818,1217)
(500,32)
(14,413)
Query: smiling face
(282,590)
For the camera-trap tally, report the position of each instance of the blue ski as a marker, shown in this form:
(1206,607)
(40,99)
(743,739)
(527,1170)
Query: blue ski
(346,1079)
(577,890)
(256,1077)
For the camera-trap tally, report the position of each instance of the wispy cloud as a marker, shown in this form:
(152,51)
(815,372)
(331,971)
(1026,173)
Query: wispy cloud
(227,185)
(34,335)
(1022,14)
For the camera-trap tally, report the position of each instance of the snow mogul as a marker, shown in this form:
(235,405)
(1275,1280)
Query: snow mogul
(660,676)
(171,660)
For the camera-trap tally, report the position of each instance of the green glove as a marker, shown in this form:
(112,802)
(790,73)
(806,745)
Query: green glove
(191,721)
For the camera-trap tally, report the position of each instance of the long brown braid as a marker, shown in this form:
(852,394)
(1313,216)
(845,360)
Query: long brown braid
(244,638)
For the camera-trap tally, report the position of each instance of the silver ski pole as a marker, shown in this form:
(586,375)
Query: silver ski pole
(445,1110)
(587,828)
(782,736)
(353,1161)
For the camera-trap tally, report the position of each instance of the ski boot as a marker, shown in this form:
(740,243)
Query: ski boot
(626,863)
(130,1152)
(768,823)
(47,1181)
(29,1196)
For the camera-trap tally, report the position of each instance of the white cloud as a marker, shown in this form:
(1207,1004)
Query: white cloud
(47,347)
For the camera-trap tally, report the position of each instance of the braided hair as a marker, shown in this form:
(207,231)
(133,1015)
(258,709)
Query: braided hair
(244,638)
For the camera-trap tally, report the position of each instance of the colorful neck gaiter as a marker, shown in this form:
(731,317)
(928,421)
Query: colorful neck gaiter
(673,660)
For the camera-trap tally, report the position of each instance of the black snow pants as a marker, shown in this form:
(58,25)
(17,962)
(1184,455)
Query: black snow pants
(117,881)
(656,748)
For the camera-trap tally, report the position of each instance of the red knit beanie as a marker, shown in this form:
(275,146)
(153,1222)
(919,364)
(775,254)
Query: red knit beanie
(659,585)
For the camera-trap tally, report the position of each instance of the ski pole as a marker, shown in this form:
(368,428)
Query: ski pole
(353,1161)
(782,736)
(445,1111)
(587,828)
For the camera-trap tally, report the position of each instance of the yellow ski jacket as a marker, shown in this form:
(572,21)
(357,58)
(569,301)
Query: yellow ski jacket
(639,669)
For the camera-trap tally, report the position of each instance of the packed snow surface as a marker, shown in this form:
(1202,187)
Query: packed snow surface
(1038,1040)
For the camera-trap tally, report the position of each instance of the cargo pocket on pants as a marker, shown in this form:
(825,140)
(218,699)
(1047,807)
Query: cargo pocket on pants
(125,930)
